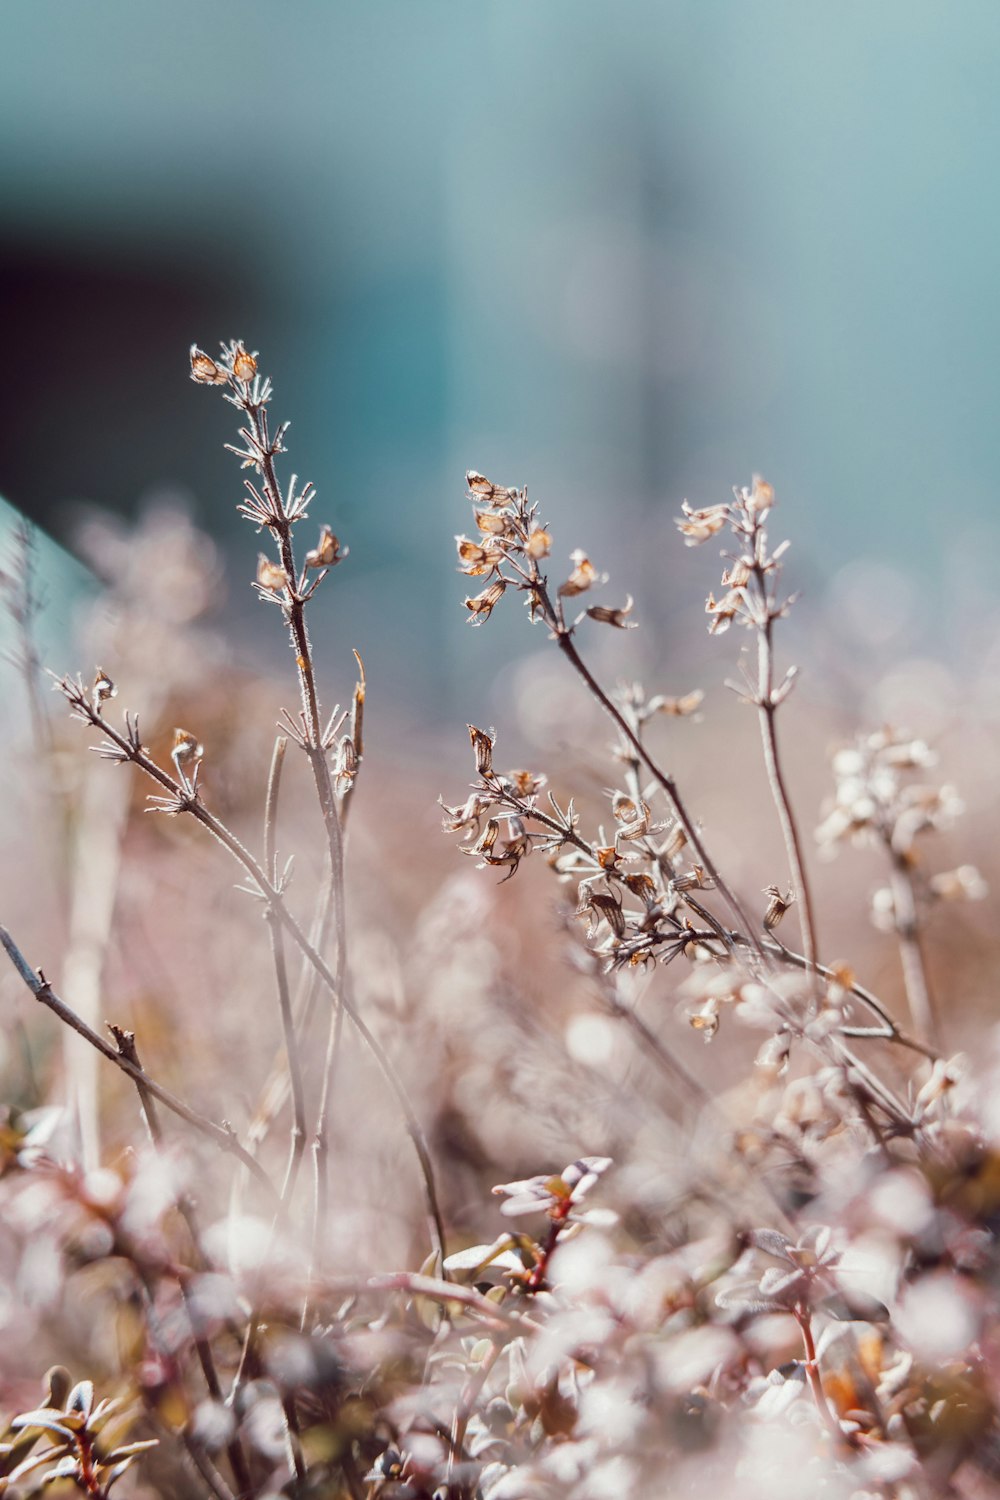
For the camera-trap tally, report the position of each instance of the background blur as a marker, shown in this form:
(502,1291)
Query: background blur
(623,253)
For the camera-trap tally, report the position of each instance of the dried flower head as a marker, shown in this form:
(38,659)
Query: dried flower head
(270,575)
(583,576)
(204,369)
(327,551)
(244,364)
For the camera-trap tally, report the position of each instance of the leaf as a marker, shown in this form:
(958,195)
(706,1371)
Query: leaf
(770,1240)
(51,1421)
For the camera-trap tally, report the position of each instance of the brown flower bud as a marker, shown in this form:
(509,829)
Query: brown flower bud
(485,489)
(474,559)
(204,369)
(244,364)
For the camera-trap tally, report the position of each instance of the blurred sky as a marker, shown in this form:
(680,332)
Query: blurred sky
(624,252)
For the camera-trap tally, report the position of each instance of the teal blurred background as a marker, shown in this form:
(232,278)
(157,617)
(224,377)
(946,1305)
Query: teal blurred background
(623,252)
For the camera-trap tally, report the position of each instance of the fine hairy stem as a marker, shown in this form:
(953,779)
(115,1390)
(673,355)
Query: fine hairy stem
(222,1135)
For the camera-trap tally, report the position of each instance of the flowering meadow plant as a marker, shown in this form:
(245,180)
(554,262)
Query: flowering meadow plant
(264,1237)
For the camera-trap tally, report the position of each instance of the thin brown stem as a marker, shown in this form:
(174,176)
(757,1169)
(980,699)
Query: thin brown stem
(666,782)
(767,711)
(891,1032)
(222,1135)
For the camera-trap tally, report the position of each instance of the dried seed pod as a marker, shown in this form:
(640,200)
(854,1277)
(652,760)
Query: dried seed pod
(326,553)
(777,905)
(270,575)
(205,370)
(482,745)
(244,364)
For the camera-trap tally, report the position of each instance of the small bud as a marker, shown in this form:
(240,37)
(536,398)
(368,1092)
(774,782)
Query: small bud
(326,553)
(244,364)
(270,575)
(204,369)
